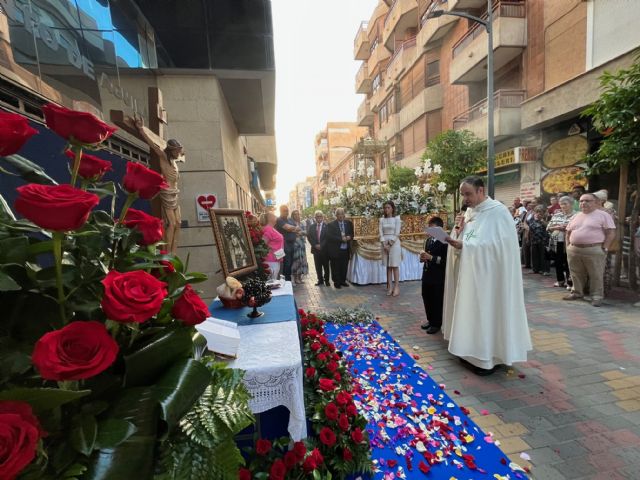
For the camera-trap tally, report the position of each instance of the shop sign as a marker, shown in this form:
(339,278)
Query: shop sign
(529,190)
(53,37)
(516,155)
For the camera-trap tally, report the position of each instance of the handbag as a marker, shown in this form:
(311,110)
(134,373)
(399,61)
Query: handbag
(279,254)
(615,245)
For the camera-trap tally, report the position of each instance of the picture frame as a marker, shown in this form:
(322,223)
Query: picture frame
(233,242)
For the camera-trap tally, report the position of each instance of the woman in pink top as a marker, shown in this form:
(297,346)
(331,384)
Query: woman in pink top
(275,242)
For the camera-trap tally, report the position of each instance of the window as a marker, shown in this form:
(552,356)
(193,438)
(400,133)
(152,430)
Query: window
(412,83)
(414,137)
(383,114)
(433,73)
(384,160)
(377,82)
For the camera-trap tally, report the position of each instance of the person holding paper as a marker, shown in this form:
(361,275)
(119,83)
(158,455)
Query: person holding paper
(389,229)
(489,324)
(275,242)
(434,260)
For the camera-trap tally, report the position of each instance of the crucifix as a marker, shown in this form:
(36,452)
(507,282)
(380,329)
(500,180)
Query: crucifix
(164,156)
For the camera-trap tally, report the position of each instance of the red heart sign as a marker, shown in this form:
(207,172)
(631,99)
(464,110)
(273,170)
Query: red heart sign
(206,201)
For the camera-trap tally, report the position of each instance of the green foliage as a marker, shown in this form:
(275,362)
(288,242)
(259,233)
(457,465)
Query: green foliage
(460,153)
(400,177)
(616,114)
(202,446)
(348,316)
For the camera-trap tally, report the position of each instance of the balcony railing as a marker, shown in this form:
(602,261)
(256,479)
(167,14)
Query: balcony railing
(390,12)
(361,30)
(363,82)
(504,98)
(514,9)
(396,62)
(435,5)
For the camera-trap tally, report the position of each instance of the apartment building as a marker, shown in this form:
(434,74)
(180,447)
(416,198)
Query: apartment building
(302,196)
(332,145)
(421,76)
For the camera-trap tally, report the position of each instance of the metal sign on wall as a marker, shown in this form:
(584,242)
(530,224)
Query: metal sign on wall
(204,201)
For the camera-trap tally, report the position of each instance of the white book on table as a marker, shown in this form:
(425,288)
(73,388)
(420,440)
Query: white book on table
(222,337)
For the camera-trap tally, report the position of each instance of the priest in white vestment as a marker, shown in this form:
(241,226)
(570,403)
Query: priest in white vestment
(486,321)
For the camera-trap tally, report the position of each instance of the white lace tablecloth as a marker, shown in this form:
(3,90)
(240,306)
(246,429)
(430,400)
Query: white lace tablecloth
(270,355)
(364,272)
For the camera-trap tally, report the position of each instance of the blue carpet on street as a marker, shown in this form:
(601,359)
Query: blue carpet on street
(415,429)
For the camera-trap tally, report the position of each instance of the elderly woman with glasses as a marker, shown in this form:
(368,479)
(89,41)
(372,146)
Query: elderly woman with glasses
(557,227)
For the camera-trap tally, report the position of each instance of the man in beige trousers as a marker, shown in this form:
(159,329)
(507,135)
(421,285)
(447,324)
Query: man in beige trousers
(589,236)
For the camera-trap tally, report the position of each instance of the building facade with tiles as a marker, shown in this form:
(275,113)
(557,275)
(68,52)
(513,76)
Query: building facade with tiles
(421,76)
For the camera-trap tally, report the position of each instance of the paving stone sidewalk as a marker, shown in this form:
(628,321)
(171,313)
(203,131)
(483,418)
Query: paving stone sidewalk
(573,408)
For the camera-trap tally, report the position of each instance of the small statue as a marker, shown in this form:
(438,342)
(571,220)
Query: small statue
(169,156)
(231,293)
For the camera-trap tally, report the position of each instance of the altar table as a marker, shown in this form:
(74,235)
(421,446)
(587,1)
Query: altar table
(270,354)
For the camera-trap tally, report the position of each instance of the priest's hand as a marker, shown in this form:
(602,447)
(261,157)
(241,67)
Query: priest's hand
(455,243)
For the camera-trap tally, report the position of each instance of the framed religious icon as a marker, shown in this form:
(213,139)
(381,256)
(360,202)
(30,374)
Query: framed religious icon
(233,241)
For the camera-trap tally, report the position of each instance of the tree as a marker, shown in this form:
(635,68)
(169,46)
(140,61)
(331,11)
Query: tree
(616,114)
(400,177)
(460,153)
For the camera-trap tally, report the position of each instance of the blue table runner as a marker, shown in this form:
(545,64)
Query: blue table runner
(280,309)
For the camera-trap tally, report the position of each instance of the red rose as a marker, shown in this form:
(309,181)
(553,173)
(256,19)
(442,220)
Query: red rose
(323,340)
(331,411)
(356,435)
(290,459)
(143,181)
(332,366)
(77,127)
(352,410)
(19,435)
(343,423)
(244,474)
(326,384)
(343,398)
(55,207)
(313,461)
(310,372)
(322,357)
(14,132)
(75,352)
(132,296)
(300,450)
(190,308)
(337,377)
(278,470)
(327,437)
(347,456)
(263,446)
(315,346)
(168,266)
(149,226)
(91,167)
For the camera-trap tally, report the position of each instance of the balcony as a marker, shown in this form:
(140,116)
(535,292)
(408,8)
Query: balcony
(469,62)
(363,81)
(433,29)
(379,55)
(390,128)
(403,14)
(401,60)
(365,115)
(429,100)
(324,166)
(461,5)
(506,115)
(361,45)
(378,97)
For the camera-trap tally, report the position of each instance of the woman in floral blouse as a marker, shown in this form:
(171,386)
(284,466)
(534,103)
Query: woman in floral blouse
(557,226)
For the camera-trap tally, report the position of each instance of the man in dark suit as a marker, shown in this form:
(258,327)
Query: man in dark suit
(339,236)
(317,236)
(434,259)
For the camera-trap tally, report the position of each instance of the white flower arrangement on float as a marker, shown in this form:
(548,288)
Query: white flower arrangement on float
(364,196)
(427,175)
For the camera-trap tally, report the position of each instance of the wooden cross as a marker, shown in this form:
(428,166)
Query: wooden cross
(155,131)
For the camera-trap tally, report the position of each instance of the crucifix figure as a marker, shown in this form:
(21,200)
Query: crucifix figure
(164,158)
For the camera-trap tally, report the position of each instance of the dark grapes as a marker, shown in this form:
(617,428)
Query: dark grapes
(256,293)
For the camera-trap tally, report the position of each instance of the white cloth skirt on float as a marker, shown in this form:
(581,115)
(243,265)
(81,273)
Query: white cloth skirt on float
(364,272)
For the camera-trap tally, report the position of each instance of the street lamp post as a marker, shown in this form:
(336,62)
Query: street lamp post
(488,25)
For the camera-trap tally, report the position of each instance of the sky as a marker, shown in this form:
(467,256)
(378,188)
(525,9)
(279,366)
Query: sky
(315,78)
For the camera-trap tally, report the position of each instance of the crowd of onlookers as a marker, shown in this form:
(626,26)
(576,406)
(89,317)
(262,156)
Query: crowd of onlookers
(574,234)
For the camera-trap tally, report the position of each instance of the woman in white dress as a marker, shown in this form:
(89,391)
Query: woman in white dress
(390,245)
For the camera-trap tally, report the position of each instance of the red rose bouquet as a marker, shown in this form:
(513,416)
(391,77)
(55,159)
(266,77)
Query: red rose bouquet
(97,344)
